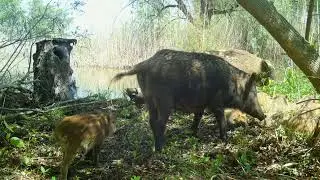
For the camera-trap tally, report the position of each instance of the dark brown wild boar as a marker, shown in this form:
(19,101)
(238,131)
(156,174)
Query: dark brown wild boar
(84,132)
(191,82)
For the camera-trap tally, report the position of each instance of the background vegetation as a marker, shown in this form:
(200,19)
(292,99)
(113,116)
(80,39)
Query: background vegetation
(158,24)
(152,28)
(155,24)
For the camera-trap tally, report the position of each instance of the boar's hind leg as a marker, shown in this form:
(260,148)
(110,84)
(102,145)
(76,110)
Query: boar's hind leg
(219,114)
(153,115)
(196,120)
(163,108)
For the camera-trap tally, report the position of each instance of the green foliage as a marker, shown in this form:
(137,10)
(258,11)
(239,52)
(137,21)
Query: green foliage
(294,85)
(34,19)
(128,112)
(10,133)
(251,152)
(43,170)
(27,161)
(217,164)
(17,142)
(12,18)
(135,178)
(101,95)
(246,159)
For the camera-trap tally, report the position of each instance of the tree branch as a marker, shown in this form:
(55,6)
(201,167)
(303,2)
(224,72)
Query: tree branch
(10,61)
(226,11)
(185,11)
(296,47)
(167,6)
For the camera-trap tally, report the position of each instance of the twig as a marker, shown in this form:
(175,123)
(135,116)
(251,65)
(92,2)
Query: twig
(25,36)
(286,176)
(312,99)
(16,87)
(23,43)
(21,109)
(29,64)
(308,111)
(74,105)
(65,102)
(6,43)
(9,61)
(13,42)
(122,9)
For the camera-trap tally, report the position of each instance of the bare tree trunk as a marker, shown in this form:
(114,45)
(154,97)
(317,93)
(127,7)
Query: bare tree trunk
(52,72)
(318,27)
(206,11)
(297,48)
(309,19)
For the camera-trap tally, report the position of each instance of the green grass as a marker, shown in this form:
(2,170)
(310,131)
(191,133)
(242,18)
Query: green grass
(251,151)
(294,85)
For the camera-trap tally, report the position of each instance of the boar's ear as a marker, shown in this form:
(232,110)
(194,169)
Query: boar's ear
(249,84)
(252,79)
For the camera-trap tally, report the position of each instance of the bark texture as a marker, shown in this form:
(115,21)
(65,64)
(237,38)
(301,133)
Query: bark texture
(52,72)
(309,19)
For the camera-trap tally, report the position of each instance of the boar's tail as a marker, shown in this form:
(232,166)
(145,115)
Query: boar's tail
(136,69)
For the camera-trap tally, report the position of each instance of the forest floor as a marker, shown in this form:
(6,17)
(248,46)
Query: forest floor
(254,150)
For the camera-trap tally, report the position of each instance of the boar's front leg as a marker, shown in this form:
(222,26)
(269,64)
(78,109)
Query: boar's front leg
(219,114)
(159,111)
(196,120)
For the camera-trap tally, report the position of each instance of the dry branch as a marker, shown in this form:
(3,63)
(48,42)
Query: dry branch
(312,99)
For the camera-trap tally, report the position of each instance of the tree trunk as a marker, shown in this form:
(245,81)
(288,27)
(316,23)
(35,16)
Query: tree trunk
(309,19)
(52,72)
(206,11)
(185,11)
(297,48)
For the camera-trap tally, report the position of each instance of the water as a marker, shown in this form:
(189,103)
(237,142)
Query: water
(90,80)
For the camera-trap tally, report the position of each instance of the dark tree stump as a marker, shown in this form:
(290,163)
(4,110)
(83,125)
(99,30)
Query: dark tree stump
(53,79)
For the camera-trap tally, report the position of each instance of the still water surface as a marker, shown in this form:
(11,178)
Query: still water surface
(97,80)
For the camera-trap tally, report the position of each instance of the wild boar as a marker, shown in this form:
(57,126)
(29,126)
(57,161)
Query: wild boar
(135,96)
(84,132)
(190,82)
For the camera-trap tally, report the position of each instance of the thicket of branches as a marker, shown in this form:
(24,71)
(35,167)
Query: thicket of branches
(22,23)
(205,25)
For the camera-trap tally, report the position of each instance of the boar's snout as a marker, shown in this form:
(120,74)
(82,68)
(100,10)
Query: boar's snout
(252,105)
(256,111)
(261,116)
